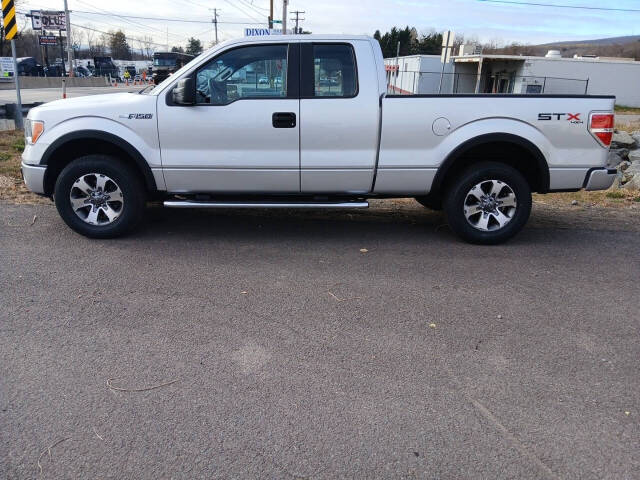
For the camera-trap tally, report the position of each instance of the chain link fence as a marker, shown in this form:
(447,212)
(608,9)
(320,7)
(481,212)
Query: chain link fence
(431,83)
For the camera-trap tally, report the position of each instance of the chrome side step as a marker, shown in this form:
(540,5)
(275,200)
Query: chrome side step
(214,204)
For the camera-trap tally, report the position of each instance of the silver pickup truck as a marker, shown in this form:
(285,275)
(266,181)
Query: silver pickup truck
(306,122)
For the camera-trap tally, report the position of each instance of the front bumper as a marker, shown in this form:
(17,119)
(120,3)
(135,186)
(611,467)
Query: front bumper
(34,177)
(600,178)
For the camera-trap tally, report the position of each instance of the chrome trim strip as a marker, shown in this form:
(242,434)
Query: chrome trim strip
(202,204)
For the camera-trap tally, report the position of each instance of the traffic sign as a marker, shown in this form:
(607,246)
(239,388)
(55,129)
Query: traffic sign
(9,19)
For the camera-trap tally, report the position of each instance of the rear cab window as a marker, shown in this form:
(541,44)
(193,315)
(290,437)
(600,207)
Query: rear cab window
(329,70)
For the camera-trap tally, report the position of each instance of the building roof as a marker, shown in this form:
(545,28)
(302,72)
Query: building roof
(522,58)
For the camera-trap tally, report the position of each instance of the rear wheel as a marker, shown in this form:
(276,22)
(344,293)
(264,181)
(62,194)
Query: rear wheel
(488,204)
(99,196)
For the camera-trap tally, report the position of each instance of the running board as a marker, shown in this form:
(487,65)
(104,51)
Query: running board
(214,204)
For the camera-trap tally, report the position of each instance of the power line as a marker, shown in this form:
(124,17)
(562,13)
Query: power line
(119,16)
(162,19)
(113,34)
(84,17)
(241,10)
(252,7)
(577,7)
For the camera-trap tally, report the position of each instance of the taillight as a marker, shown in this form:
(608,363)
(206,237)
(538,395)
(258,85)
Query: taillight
(601,127)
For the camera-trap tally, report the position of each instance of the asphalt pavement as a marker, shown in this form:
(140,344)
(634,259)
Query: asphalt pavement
(31,95)
(216,344)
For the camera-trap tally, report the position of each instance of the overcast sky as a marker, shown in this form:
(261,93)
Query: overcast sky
(486,21)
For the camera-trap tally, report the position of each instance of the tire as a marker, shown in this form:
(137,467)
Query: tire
(488,203)
(100,196)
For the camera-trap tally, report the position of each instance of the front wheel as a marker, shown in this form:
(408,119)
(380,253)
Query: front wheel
(99,196)
(488,203)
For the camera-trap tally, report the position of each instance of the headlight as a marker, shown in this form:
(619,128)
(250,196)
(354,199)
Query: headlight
(33,129)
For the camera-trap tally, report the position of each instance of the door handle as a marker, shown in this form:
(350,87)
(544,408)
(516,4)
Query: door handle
(283,120)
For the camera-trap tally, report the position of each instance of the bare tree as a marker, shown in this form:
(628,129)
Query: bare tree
(148,46)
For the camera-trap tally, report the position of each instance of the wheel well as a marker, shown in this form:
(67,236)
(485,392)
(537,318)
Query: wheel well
(64,153)
(515,152)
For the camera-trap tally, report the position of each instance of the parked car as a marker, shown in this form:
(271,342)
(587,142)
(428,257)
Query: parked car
(478,157)
(104,67)
(81,71)
(53,71)
(30,67)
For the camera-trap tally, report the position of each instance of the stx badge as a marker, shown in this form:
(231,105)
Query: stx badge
(571,117)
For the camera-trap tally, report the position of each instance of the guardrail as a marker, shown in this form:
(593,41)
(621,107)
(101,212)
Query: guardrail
(8,111)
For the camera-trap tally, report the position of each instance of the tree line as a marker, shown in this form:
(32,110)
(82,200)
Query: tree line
(430,43)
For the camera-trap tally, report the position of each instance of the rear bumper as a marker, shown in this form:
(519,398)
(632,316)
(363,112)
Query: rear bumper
(600,178)
(34,177)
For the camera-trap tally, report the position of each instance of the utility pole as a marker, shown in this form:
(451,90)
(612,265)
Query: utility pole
(270,14)
(69,49)
(297,20)
(215,22)
(284,16)
(64,70)
(395,84)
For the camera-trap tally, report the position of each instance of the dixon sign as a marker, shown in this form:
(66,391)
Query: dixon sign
(259,32)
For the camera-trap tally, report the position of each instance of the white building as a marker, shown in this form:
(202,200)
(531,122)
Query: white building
(551,74)
(418,74)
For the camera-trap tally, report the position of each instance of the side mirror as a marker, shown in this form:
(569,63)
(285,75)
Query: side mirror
(184,93)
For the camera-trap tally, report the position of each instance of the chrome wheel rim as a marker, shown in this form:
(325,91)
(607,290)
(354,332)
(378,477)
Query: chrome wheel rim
(490,205)
(96,199)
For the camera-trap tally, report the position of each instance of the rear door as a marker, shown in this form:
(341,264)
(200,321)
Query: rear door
(339,111)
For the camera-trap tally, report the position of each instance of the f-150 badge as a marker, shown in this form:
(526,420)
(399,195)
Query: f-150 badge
(138,116)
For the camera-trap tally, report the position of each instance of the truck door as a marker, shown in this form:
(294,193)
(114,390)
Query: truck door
(243,133)
(339,110)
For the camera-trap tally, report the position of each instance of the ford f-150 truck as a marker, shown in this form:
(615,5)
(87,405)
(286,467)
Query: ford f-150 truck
(306,122)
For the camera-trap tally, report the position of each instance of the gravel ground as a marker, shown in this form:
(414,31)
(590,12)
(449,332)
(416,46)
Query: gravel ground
(310,345)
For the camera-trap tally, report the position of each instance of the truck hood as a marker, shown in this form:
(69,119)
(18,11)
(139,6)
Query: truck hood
(113,106)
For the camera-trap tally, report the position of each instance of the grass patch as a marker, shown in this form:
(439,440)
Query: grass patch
(11,148)
(615,194)
(616,198)
(625,109)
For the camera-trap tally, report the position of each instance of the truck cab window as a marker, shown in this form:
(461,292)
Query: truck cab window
(334,71)
(247,72)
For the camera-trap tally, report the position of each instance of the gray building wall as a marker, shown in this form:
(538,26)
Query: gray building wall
(419,74)
(610,77)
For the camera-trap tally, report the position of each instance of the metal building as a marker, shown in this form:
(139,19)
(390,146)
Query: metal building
(551,74)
